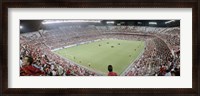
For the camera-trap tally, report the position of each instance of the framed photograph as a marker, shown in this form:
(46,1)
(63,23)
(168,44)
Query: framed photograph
(100,47)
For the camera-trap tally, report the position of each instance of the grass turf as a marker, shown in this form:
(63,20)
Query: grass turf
(98,55)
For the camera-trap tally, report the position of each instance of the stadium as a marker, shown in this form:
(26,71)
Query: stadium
(99,47)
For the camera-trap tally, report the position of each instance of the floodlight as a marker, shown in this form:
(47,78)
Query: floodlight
(110,22)
(169,21)
(21,27)
(152,23)
(70,21)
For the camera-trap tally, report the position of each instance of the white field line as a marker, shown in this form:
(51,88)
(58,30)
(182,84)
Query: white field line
(90,69)
(128,68)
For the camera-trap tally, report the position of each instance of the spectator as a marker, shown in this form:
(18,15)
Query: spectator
(27,69)
(111,73)
(168,73)
(20,62)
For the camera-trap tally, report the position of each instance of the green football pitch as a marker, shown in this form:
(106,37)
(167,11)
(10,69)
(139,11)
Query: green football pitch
(98,55)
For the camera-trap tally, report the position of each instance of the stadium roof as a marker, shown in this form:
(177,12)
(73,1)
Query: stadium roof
(35,25)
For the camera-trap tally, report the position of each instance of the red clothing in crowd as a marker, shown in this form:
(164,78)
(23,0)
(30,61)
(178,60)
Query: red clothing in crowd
(112,74)
(68,72)
(162,70)
(30,71)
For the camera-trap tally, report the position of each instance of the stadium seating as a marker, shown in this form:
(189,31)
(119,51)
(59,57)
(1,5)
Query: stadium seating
(158,56)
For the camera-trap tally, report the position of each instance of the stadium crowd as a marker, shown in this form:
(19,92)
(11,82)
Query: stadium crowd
(37,59)
(157,60)
(44,62)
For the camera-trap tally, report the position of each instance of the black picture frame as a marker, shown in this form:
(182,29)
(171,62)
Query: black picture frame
(194,4)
